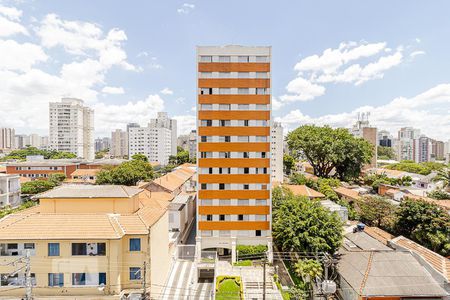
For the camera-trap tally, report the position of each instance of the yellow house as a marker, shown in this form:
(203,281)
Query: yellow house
(87,240)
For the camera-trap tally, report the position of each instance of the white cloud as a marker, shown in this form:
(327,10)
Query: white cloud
(185,123)
(8,27)
(113,90)
(166,91)
(418,111)
(20,57)
(11,13)
(351,62)
(186,8)
(416,53)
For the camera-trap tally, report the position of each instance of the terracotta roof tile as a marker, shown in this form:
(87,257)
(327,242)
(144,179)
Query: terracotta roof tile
(379,234)
(303,190)
(349,193)
(175,179)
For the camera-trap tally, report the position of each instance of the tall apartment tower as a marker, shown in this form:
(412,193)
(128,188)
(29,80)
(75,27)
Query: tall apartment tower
(119,143)
(163,121)
(422,149)
(276,164)
(72,127)
(7,139)
(233,159)
(406,137)
(363,130)
(153,142)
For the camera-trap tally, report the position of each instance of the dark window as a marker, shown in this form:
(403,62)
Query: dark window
(240,217)
(246,186)
(135,244)
(208,122)
(12,246)
(53,249)
(135,273)
(246,170)
(210,170)
(227,139)
(221,217)
(102,278)
(101,249)
(263,154)
(221,186)
(79,249)
(246,122)
(204,138)
(204,186)
(245,154)
(258,233)
(208,217)
(220,170)
(28,246)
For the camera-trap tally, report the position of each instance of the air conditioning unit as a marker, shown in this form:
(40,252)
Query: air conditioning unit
(328,287)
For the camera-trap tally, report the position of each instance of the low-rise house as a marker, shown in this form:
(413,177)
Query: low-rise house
(342,211)
(42,168)
(83,176)
(303,190)
(370,270)
(9,190)
(89,240)
(347,194)
(175,182)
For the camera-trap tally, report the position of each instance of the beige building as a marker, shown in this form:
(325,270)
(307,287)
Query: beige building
(119,143)
(87,240)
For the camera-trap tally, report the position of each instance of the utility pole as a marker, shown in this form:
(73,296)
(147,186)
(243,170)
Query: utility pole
(29,292)
(264,276)
(144,282)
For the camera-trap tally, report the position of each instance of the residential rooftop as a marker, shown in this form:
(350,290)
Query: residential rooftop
(303,190)
(90,191)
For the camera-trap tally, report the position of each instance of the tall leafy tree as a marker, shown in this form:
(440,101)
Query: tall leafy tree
(36,186)
(385,152)
(444,176)
(376,211)
(426,223)
(300,224)
(128,173)
(288,163)
(329,149)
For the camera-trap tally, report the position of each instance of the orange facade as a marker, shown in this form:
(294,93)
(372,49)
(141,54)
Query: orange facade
(234,99)
(233,67)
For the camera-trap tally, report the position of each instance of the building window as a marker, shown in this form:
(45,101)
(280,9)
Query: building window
(78,278)
(55,279)
(261,91)
(246,186)
(243,59)
(204,186)
(208,217)
(262,75)
(227,139)
(206,107)
(205,58)
(245,155)
(257,232)
(261,58)
(224,91)
(224,123)
(53,249)
(243,91)
(135,244)
(206,91)
(240,217)
(79,249)
(243,106)
(203,139)
(205,74)
(224,74)
(135,273)
(224,59)
(221,186)
(243,74)
(221,217)
(224,106)
(102,278)
(89,249)
(246,170)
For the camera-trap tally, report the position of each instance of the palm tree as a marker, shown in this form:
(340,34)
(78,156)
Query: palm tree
(444,176)
(308,269)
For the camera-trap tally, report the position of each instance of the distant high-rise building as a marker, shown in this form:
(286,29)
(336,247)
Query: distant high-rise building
(102,144)
(234,202)
(276,159)
(33,140)
(7,141)
(119,143)
(385,138)
(183,141)
(437,150)
(153,142)
(363,130)
(72,128)
(422,149)
(406,137)
(163,121)
(192,144)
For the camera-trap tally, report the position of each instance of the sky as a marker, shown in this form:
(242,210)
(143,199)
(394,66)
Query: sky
(130,59)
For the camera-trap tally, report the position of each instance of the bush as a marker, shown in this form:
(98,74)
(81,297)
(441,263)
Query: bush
(229,287)
(247,250)
(36,187)
(243,263)
(439,195)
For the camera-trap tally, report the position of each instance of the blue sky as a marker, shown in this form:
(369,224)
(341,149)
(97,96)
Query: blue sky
(331,59)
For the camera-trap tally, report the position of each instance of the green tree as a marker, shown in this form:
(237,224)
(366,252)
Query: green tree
(300,224)
(36,186)
(385,152)
(288,163)
(423,168)
(21,154)
(426,223)
(439,195)
(376,211)
(140,157)
(279,194)
(308,269)
(128,173)
(57,178)
(326,149)
(444,176)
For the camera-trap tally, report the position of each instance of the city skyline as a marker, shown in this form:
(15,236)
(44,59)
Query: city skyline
(127,71)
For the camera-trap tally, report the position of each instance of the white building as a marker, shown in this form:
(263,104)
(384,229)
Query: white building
(72,128)
(102,144)
(33,140)
(192,144)
(163,121)
(9,190)
(155,143)
(119,143)
(7,138)
(422,149)
(406,137)
(276,144)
